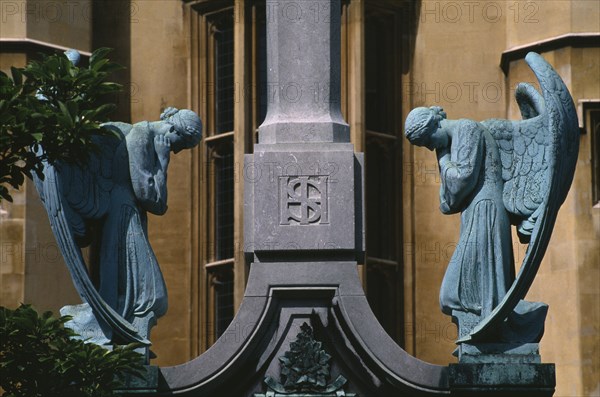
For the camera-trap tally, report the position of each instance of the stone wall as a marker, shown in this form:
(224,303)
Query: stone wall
(568,276)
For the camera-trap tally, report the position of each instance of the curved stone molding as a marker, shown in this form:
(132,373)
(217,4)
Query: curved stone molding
(333,303)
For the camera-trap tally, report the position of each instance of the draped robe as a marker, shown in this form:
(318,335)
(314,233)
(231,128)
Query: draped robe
(131,281)
(481,269)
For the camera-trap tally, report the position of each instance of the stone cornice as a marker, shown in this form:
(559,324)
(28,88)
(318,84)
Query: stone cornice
(591,39)
(21,45)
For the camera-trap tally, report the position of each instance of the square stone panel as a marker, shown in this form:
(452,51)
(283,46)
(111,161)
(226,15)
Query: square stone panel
(300,200)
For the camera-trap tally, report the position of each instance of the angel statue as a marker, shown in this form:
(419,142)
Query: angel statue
(104,203)
(497,173)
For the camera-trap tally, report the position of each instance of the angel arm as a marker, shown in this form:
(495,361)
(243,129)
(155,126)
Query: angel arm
(148,162)
(460,172)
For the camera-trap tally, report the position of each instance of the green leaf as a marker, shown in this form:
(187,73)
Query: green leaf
(99,64)
(98,56)
(17,75)
(5,195)
(66,113)
(110,68)
(104,110)
(111,86)
(73,109)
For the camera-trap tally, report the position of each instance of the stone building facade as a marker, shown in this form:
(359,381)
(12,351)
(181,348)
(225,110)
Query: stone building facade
(209,56)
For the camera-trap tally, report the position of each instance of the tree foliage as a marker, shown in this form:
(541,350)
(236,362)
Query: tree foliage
(40,358)
(49,111)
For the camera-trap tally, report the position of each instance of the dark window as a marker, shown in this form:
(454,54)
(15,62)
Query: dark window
(213,64)
(382,282)
(261,64)
(223,34)
(218,53)
(220,141)
(380,71)
(593,121)
(382,199)
(222,287)
(383,157)
(224,203)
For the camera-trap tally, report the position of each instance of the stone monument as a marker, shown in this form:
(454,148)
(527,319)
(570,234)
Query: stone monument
(304,327)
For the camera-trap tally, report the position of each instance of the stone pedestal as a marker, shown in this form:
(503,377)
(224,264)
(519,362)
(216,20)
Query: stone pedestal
(500,369)
(146,386)
(502,353)
(501,380)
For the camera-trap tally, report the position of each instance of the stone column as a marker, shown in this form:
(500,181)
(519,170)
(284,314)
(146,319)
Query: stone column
(303,77)
(303,184)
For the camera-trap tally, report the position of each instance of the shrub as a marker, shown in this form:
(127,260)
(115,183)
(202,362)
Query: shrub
(39,358)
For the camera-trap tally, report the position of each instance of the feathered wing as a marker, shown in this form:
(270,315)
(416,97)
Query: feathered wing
(538,158)
(73,196)
(524,151)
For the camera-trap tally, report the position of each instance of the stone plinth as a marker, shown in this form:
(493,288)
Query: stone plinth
(502,380)
(279,298)
(146,386)
(486,353)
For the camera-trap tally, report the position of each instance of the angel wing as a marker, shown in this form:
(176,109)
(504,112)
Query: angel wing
(538,156)
(73,196)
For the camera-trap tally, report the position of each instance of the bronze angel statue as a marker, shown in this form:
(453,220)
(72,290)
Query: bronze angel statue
(499,173)
(104,204)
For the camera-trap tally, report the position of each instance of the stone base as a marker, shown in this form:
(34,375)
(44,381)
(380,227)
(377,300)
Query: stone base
(86,326)
(499,353)
(273,394)
(144,386)
(509,379)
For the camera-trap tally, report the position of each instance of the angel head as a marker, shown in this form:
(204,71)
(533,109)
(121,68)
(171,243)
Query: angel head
(423,127)
(187,128)
(74,56)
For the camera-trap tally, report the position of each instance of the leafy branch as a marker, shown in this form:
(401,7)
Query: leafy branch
(49,111)
(40,358)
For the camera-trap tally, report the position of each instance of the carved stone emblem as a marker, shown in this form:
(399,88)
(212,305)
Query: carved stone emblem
(303,200)
(305,371)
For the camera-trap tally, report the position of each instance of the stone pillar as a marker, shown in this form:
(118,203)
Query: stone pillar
(303,204)
(303,191)
(303,77)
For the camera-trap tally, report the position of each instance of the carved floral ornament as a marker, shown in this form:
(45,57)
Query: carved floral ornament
(305,370)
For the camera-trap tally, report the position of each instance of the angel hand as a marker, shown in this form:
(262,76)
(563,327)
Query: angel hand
(162,146)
